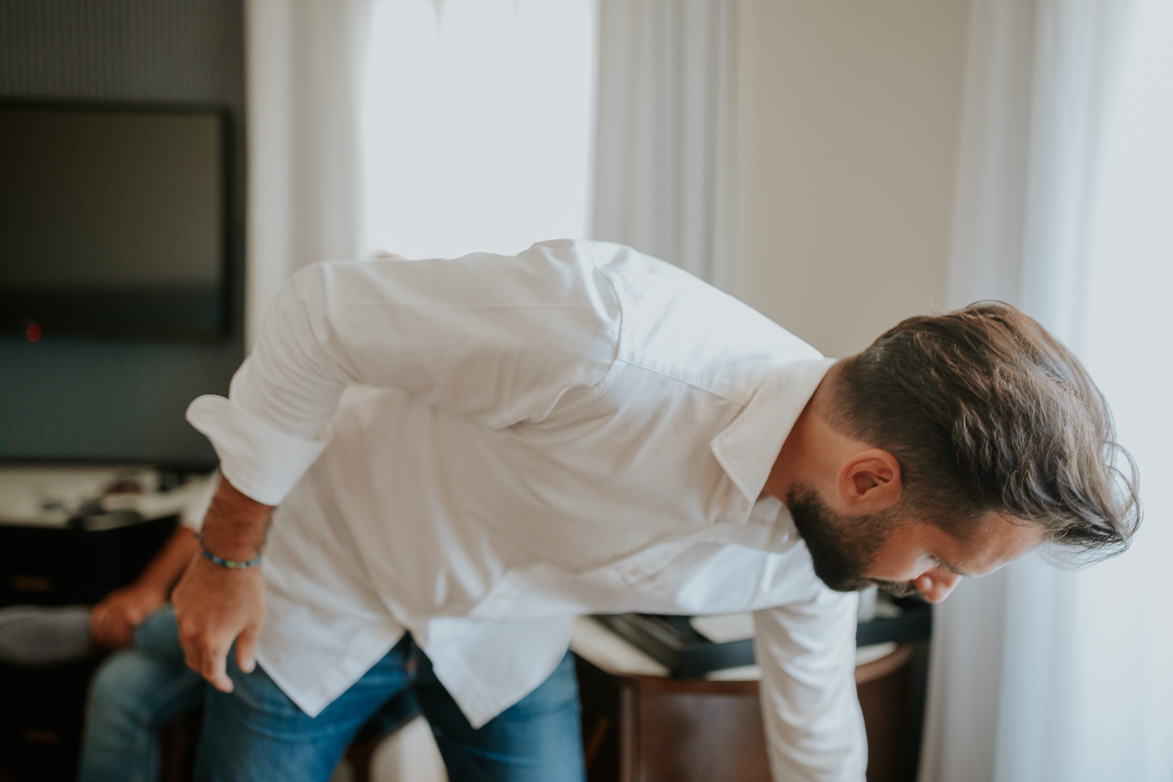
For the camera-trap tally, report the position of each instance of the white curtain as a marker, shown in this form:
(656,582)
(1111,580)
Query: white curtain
(305,61)
(1041,675)
(664,149)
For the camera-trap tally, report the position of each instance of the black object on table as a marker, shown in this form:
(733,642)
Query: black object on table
(673,642)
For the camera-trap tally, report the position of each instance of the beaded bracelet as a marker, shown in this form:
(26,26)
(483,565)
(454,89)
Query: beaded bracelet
(228,563)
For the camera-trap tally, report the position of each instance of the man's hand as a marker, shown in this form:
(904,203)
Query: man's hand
(214,607)
(113,620)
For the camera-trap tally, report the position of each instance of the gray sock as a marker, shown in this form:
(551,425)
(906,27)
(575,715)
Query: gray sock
(43,635)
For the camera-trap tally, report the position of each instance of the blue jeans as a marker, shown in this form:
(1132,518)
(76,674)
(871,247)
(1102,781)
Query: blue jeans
(257,733)
(133,693)
(137,691)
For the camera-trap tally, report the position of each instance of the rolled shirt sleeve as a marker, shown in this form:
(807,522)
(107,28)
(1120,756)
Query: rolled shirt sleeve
(500,339)
(260,460)
(810,707)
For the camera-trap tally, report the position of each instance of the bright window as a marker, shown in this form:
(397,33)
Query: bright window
(478,125)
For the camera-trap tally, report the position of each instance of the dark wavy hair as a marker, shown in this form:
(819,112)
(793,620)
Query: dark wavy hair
(986,411)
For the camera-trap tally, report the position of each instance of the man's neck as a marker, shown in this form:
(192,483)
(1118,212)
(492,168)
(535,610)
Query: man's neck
(799,448)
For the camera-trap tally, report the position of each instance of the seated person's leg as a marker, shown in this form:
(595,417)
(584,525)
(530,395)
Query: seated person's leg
(538,739)
(44,635)
(134,693)
(257,733)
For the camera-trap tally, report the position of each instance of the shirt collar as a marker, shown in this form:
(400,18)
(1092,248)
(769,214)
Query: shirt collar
(749,446)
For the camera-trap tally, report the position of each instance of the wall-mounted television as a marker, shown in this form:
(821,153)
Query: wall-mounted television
(113,222)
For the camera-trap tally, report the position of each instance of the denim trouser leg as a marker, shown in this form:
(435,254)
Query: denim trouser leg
(538,739)
(256,732)
(134,693)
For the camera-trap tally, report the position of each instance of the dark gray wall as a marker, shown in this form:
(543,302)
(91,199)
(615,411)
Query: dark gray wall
(72,400)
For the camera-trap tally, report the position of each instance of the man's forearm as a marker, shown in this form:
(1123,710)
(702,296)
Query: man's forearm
(162,573)
(235,525)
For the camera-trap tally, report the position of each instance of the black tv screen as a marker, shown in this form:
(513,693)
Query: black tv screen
(113,222)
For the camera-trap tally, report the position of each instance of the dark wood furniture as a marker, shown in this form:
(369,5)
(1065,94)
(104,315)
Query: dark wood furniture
(639,728)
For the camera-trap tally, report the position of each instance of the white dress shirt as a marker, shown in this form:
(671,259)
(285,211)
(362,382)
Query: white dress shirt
(476,450)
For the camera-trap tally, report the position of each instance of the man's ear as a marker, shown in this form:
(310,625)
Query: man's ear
(869,481)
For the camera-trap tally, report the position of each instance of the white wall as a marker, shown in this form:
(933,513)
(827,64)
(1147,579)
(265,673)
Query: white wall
(848,127)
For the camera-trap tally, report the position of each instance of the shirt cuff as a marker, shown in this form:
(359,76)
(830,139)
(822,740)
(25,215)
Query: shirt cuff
(258,459)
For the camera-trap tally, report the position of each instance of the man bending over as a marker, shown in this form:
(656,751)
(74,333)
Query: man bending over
(467,453)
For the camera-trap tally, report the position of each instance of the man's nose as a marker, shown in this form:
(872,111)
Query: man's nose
(937,585)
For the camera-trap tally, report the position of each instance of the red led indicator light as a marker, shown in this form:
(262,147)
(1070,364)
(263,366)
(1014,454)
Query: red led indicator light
(33,332)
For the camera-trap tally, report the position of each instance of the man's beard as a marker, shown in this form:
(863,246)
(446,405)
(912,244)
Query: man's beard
(842,548)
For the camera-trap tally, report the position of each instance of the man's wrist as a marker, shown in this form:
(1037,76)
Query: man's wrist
(149,593)
(224,562)
(142,595)
(234,529)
